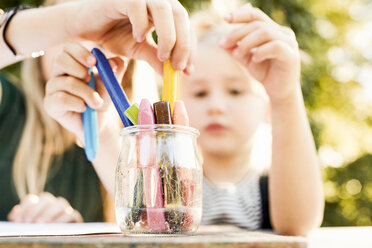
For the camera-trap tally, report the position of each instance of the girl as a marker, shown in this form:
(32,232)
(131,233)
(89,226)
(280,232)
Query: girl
(244,75)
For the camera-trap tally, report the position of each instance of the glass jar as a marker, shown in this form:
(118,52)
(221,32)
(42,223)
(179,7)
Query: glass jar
(158,188)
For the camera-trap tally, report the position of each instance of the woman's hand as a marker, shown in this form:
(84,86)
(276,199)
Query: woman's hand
(44,208)
(269,51)
(124,26)
(67,92)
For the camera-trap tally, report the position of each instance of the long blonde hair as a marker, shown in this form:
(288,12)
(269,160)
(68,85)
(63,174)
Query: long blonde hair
(42,137)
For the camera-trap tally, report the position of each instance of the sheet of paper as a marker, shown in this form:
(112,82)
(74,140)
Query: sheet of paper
(8,229)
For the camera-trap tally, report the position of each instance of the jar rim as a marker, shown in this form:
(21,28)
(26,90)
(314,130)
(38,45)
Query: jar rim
(160,127)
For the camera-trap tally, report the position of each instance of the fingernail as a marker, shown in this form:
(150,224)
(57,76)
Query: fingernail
(163,57)
(222,41)
(91,60)
(97,99)
(182,65)
(236,53)
(191,68)
(256,59)
(138,38)
(229,17)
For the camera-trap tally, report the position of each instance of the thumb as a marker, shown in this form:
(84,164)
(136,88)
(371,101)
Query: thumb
(148,52)
(118,66)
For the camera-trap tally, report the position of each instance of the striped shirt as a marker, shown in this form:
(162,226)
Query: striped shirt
(240,205)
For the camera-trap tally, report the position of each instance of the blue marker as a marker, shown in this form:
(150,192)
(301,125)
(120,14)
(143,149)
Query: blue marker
(114,89)
(90,126)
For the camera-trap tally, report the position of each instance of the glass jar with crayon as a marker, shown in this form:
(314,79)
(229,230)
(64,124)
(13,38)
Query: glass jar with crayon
(159,172)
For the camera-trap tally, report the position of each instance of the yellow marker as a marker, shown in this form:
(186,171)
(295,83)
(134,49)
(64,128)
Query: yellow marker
(170,84)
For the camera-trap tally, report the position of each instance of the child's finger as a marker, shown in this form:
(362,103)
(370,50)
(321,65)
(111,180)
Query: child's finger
(230,40)
(276,49)
(259,37)
(190,68)
(75,87)
(183,46)
(161,12)
(248,13)
(67,65)
(80,54)
(138,16)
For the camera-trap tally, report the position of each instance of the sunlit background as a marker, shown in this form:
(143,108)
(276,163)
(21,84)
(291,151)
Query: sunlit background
(335,37)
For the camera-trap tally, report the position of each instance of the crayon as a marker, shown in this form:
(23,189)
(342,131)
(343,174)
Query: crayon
(90,126)
(151,171)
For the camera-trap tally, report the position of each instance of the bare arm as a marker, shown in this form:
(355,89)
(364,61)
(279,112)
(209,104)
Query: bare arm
(295,186)
(271,55)
(34,30)
(120,26)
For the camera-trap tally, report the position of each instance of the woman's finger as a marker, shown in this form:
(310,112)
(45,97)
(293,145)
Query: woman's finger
(54,211)
(138,16)
(162,15)
(14,213)
(67,65)
(183,47)
(69,215)
(45,200)
(75,87)
(81,54)
(148,52)
(61,102)
(26,204)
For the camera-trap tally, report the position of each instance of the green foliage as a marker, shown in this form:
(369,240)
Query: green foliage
(349,194)
(12,3)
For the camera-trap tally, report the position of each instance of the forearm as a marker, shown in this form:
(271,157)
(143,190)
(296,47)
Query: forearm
(36,29)
(107,157)
(295,186)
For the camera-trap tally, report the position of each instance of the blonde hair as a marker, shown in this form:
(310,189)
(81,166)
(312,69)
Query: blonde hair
(42,137)
(209,26)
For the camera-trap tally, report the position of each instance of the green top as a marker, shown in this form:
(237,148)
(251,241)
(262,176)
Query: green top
(74,180)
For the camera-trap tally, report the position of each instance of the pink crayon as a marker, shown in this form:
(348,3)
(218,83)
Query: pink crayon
(151,173)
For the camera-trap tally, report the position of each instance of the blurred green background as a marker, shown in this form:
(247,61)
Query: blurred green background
(336,40)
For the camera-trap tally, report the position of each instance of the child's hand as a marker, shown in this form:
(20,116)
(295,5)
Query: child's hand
(269,51)
(44,208)
(122,26)
(67,92)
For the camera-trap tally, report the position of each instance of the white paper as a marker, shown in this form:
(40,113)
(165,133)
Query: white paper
(21,229)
